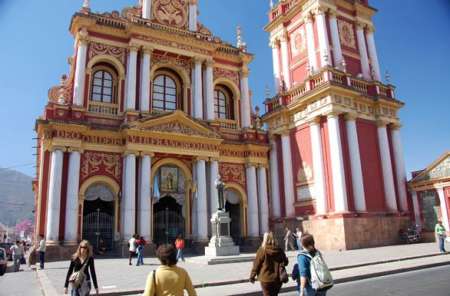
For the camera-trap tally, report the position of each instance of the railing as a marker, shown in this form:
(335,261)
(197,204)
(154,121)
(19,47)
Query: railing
(227,124)
(359,85)
(384,91)
(103,108)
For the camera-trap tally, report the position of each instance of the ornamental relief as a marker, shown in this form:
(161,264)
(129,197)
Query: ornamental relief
(346,34)
(98,163)
(228,74)
(298,42)
(102,49)
(305,174)
(173,44)
(161,59)
(176,127)
(232,173)
(171,12)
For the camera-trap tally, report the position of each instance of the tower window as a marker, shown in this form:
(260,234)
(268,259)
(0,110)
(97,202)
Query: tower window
(164,93)
(222,104)
(103,87)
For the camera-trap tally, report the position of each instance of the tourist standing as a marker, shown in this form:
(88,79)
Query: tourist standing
(288,244)
(82,262)
(312,286)
(298,237)
(17,254)
(270,260)
(440,235)
(179,244)
(140,251)
(41,250)
(132,246)
(168,279)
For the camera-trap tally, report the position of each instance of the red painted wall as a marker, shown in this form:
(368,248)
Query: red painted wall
(281,176)
(347,166)
(353,65)
(62,209)
(328,178)
(300,72)
(371,165)
(447,199)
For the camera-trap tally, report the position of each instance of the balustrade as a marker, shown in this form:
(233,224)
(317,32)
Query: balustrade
(103,108)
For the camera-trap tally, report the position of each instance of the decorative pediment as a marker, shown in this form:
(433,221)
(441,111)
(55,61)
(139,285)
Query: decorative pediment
(171,12)
(175,123)
(438,170)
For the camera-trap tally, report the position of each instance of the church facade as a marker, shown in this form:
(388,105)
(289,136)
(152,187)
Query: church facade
(155,108)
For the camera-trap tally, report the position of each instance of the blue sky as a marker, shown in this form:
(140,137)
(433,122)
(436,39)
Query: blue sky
(413,39)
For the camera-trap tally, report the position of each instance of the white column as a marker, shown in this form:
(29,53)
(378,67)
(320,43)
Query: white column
(131,79)
(317,154)
(193,91)
(194,218)
(311,44)
(337,50)
(289,194)
(73,185)
(444,209)
(145,204)
(209,90)
(274,181)
(54,196)
(252,196)
(263,200)
(202,205)
(276,64)
(355,164)
(399,168)
(337,164)
(386,164)
(129,197)
(416,207)
(145,80)
(284,44)
(80,70)
(322,32)
(198,89)
(214,172)
(245,101)
(193,15)
(373,54)
(363,51)
(147,9)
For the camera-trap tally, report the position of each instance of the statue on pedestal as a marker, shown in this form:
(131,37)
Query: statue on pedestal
(220,185)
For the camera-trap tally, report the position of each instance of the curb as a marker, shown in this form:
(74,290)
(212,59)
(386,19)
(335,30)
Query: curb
(46,286)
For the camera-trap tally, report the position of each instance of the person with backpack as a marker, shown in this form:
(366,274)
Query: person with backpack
(270,266)
(315,277)
(296,276)
(168,278)
(179,245)
(81,271)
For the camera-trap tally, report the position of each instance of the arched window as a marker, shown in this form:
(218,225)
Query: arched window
(165,93)
(103,85)
(223,106)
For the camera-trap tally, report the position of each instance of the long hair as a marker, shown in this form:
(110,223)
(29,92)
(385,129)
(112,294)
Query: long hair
(77,254)
(268,240)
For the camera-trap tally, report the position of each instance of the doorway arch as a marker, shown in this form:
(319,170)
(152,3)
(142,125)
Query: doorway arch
(235,205)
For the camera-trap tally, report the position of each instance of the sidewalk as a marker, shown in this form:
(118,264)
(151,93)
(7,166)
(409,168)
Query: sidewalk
(116,277)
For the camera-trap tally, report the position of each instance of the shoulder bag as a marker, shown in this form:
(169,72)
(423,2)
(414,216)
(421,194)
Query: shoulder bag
(77,278)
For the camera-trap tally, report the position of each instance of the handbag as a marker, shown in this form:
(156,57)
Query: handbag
(284,277)
(77,278)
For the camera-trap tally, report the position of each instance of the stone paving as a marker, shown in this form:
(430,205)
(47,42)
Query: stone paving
(116,275)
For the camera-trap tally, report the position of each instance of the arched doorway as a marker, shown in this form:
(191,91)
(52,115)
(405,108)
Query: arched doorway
(98,216)
(170,207)
(233,206)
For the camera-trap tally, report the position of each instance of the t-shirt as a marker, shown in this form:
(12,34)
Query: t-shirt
(440,230)
(304,264)
(16,250)
(42,245)
(132,243)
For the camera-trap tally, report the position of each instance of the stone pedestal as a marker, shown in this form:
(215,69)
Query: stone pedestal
(221,243)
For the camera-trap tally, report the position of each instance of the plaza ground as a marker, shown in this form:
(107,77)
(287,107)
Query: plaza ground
(116,277)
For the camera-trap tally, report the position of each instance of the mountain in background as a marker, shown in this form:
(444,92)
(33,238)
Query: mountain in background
(16,197)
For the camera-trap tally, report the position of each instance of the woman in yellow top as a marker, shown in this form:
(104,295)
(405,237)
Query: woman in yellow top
(168,279)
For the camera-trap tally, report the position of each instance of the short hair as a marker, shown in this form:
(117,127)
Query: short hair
(308,241)
(167,255)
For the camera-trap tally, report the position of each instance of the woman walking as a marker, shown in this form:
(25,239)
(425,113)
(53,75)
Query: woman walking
(81,267)
(168,279)
(270,262)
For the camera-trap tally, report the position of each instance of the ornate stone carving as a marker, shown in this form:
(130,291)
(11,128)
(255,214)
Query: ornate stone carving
(225,73)
(171,12)
(162,59)
(173,44)
(102,49)
(305,174)
(232,173)
(298,42)
(347,34)
(98,163)
(175,127)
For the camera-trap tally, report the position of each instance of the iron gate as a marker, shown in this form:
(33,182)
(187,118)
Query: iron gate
(168,225)
(99,226)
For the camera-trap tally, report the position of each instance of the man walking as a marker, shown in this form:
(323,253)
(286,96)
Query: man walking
(17,253)
(132,247)
(288,244)
(440,234)
(41,250)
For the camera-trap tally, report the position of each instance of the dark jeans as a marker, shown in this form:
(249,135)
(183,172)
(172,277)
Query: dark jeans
(309,291)
(442,243)
(271,289)
(41,259)
(180,255)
